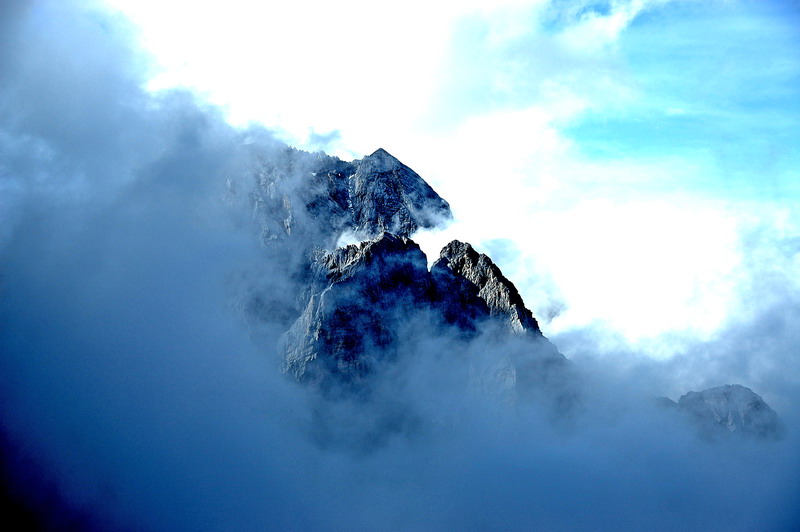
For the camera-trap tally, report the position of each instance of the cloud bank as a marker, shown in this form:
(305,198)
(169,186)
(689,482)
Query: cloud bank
(134,396)
(579,115)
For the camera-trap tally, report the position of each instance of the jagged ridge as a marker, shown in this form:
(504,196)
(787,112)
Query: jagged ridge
(366,293)
(500,294)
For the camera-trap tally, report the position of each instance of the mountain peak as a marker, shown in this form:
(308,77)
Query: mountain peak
(500,294)
(731,408)
(380,152)
(387,195)
(381,161)
(323,197)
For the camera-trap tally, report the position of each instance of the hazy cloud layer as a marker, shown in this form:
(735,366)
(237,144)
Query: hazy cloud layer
(147,402)
(579,114)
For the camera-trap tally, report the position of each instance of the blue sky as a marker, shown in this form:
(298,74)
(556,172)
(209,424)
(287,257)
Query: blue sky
(718,83)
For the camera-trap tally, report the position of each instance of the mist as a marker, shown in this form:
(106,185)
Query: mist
(136,395)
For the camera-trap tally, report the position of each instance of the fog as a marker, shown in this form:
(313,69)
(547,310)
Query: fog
(136,395)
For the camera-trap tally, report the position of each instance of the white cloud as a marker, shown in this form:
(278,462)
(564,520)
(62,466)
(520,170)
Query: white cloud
(367,71)
(475,98)
(594,31)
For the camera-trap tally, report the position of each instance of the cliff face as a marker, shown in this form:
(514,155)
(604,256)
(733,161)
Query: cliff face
(316,198)
(362,293)
(304,203)
(355,300)
(388,196)
(371,301)
(499,294)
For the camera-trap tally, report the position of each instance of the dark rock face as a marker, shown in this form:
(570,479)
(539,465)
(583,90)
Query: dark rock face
(314,198)
(372,301)
(388,196)
(728,410)
(363,292)
(303,203)
(499,294)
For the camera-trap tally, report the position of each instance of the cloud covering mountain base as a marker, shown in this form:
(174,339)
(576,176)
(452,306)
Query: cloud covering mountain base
(134,396)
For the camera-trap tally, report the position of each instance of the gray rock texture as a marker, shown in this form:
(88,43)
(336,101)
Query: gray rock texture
(359,308)
(372,302)
(499,294)
(727,410)
(316,198)
(303,203)
(387,195)
(363,294)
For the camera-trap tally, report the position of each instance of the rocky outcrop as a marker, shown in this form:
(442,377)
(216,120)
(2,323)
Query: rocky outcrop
(303,203)
(372,302)
(388,196)
(728,410)
(315,198)
(499,294)
(363,294)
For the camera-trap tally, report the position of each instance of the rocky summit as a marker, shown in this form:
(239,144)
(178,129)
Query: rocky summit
(315,198)
(388,196)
